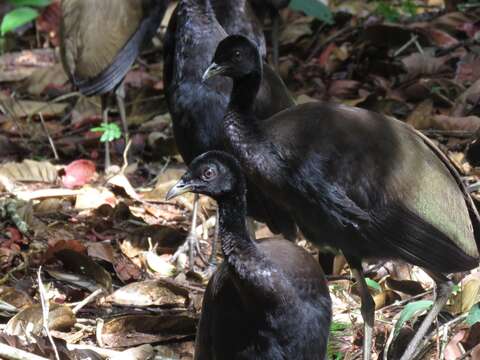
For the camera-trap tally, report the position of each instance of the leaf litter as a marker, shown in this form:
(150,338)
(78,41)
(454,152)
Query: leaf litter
(106,240)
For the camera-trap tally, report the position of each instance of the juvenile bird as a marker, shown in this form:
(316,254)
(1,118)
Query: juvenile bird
(268,299)
(367,184)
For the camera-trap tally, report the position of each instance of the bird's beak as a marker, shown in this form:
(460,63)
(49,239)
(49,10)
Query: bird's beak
(181,187)
(213,70)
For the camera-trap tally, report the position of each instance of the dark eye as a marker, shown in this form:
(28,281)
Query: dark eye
(237,54)
(209,174)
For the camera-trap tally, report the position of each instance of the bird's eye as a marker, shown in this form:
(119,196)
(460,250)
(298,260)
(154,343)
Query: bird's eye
(237,54)
(208,174)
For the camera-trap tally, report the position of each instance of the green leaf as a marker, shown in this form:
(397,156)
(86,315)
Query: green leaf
(17,18)
(36,3)
(372,284)
(473,315)
(110,132)
(315,8)
(336,326)
(387,11)
(411,310)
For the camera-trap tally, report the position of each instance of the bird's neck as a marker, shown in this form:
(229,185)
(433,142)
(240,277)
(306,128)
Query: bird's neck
(228,10)
(232,226)
(262,284)
(244,92)
(199,6)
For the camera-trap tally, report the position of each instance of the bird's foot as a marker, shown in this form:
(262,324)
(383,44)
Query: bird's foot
(189,249)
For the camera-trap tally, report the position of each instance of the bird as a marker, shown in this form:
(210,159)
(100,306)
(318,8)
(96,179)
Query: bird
(197,108)
(272,8)
(269,298)
(99,42)
(366,184)
(238,17)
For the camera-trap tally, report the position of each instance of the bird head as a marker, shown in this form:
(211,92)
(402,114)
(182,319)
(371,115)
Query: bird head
(215,174)
(235,57)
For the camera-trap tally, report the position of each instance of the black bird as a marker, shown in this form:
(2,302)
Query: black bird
(367,184)
(100,40)
(237,17)
(268,299)
(272,8)
(198,108)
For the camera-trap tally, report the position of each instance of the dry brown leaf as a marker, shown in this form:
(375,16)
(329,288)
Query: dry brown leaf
(28,108)
(15,297)
(121,181)
(421,116)
(94,197)
(131,330)
(30,171)
(31,319)
(148,293)
(445,122)
(18,66)
(83,265)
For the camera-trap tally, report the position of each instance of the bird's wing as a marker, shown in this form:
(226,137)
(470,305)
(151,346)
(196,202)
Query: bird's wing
(101,42)
(374,173)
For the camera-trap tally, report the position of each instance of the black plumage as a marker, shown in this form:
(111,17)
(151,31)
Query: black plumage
(237,17)
(367,184)
(101,39)
(268,299)
(262,8)
(197,108)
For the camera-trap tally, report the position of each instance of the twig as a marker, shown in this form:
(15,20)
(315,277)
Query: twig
(413,39)
(50,140)
(87,300)
(125,157)
(99,332)
(45,311)
(12,353)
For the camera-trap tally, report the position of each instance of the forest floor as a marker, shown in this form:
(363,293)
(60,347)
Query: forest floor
(96,246)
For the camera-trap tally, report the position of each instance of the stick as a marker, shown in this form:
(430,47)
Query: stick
(50,140)
(12,353)
(46,311)
(87,300)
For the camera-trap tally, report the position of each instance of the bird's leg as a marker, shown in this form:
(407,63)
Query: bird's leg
(275,36)
(251,227)
(104,101)
(191,240)
(212,261)
(444,288)
(367,310)
(120,96)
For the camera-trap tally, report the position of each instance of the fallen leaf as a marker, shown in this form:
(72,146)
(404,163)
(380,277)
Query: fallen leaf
(30,320)
(149,293)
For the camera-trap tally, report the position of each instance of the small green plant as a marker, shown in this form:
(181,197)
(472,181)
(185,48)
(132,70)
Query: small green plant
(110,132)
(393,12)
(24,12)
(315,8)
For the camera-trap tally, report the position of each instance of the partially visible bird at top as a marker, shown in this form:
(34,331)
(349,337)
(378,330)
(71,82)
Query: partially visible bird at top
(100,41)
(269,298)
(271,8)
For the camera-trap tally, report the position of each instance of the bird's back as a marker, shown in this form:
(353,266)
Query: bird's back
(376,175)
(231,329)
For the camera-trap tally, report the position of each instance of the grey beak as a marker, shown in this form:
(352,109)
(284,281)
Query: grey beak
(178,189)
(213,70)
